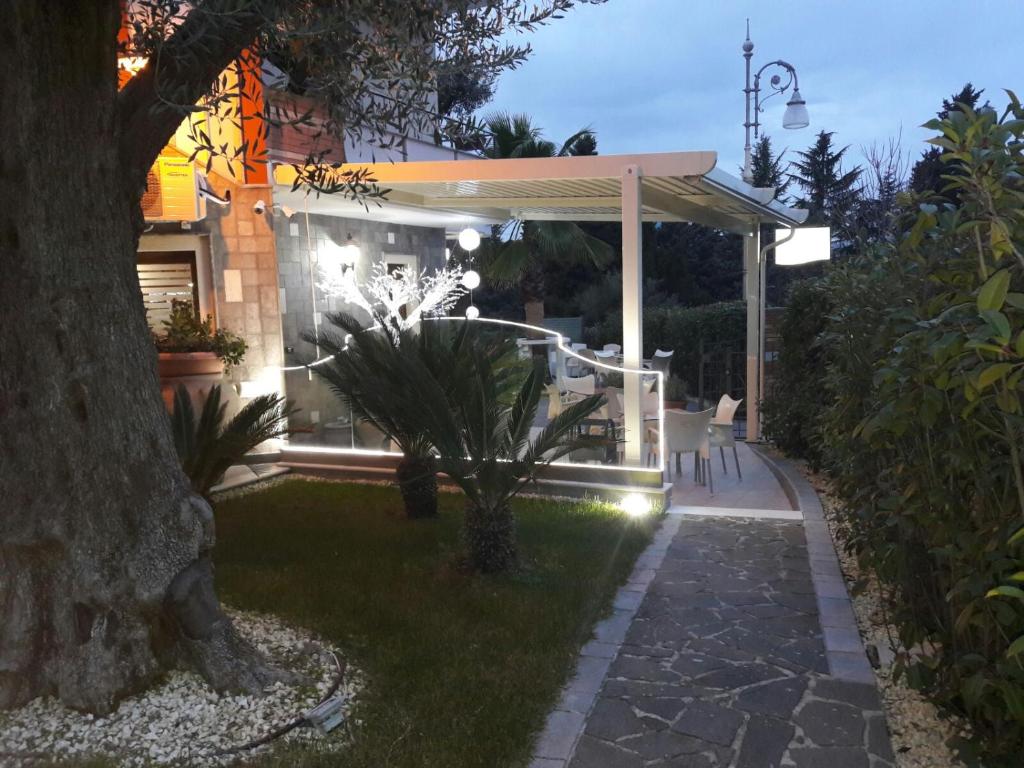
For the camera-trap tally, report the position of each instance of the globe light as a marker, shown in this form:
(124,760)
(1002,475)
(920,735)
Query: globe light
(469,239)
(472,313)
(471,279)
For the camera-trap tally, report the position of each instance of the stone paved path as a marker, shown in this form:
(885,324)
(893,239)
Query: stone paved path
(724,664)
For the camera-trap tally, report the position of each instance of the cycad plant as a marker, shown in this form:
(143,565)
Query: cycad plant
(528,247)
(380,370)
(486,446)
(207,447)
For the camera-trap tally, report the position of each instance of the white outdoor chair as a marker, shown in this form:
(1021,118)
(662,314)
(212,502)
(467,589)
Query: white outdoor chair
(616,348)
(662,360)
(649,403)
(688,433)
(581,385)
(576,346)
(720,430)
(589,354)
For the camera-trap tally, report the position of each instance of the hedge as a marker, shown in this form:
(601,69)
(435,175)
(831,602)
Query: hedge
(905,383)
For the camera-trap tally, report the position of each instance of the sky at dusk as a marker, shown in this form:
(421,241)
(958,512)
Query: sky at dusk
(664,75)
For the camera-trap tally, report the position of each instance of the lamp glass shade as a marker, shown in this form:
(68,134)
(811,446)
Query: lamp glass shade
(469,239)
(471,279)
(796,112)
(472,313)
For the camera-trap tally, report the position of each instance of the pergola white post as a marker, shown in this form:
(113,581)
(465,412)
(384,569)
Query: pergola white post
(632,310)
(753,288)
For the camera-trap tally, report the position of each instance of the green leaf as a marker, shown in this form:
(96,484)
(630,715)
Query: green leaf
(1016,647)
(999,322)
(1015,300)
(993,374)
(993,292)
(1006,591)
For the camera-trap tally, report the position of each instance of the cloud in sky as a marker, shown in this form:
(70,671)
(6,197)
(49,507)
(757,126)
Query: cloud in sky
(664,75)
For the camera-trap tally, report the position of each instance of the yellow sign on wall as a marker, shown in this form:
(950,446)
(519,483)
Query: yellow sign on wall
(171,190)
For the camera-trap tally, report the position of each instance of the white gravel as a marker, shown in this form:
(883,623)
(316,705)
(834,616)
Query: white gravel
(181,721)
(918,730)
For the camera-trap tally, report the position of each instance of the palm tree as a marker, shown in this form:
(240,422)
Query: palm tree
(379,371)
(526,248)
(485,446)
(207,447)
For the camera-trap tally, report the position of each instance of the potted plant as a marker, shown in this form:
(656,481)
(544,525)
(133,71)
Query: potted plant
(675,393)
(189,346)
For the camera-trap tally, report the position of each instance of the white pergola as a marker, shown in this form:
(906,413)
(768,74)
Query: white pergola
(671,187)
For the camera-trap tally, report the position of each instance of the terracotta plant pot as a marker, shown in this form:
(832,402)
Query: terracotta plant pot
(189,368)
(173,365)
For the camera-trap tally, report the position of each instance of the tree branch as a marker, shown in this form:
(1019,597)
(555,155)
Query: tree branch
(178,74)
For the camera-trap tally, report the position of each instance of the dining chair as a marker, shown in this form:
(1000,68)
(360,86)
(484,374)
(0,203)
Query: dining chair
(662,361)
(581,385)
(721,432)
(616,348)
(688,433)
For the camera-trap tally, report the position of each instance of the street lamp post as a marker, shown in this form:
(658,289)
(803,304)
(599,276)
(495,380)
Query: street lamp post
(796,107)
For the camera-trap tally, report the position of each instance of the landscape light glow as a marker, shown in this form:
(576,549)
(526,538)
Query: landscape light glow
(472,313)
(806,245)
(470,279)
(635,505)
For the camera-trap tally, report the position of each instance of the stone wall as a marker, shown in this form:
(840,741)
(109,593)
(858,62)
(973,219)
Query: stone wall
(242,239)
(297,254)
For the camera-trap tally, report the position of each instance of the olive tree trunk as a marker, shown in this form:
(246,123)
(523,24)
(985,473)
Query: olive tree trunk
(105,571)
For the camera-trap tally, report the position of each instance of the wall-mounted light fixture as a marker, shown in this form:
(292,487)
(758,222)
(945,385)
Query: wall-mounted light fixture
(350,251)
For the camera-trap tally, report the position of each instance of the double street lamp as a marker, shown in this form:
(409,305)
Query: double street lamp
(796,108)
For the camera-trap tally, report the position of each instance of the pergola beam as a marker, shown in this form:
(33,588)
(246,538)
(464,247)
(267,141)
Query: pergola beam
(524,202)
(687,211)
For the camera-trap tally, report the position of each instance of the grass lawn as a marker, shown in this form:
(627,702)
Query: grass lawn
(462,670)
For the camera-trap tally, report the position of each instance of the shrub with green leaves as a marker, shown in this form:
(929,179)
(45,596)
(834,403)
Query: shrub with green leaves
(681,329)
(919,364)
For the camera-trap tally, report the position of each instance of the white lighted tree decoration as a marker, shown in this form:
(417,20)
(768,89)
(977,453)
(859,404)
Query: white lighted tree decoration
(389,294)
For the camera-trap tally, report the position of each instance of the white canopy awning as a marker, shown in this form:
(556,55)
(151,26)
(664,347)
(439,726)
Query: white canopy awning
(670,187)
(676,186)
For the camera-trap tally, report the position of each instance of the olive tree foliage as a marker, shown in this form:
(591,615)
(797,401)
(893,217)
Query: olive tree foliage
(374,66)
(106,568)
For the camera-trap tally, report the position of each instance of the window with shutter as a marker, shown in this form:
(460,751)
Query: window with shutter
(164,277)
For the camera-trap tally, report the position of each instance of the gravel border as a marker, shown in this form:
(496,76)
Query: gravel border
(182,720)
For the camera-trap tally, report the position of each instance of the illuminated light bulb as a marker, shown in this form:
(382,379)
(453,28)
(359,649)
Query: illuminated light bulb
(472,313)
(635,505)
(471,279)
(469,239)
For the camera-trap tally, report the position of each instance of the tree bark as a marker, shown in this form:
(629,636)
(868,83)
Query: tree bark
(105,571)
(417,481)
(491,539)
